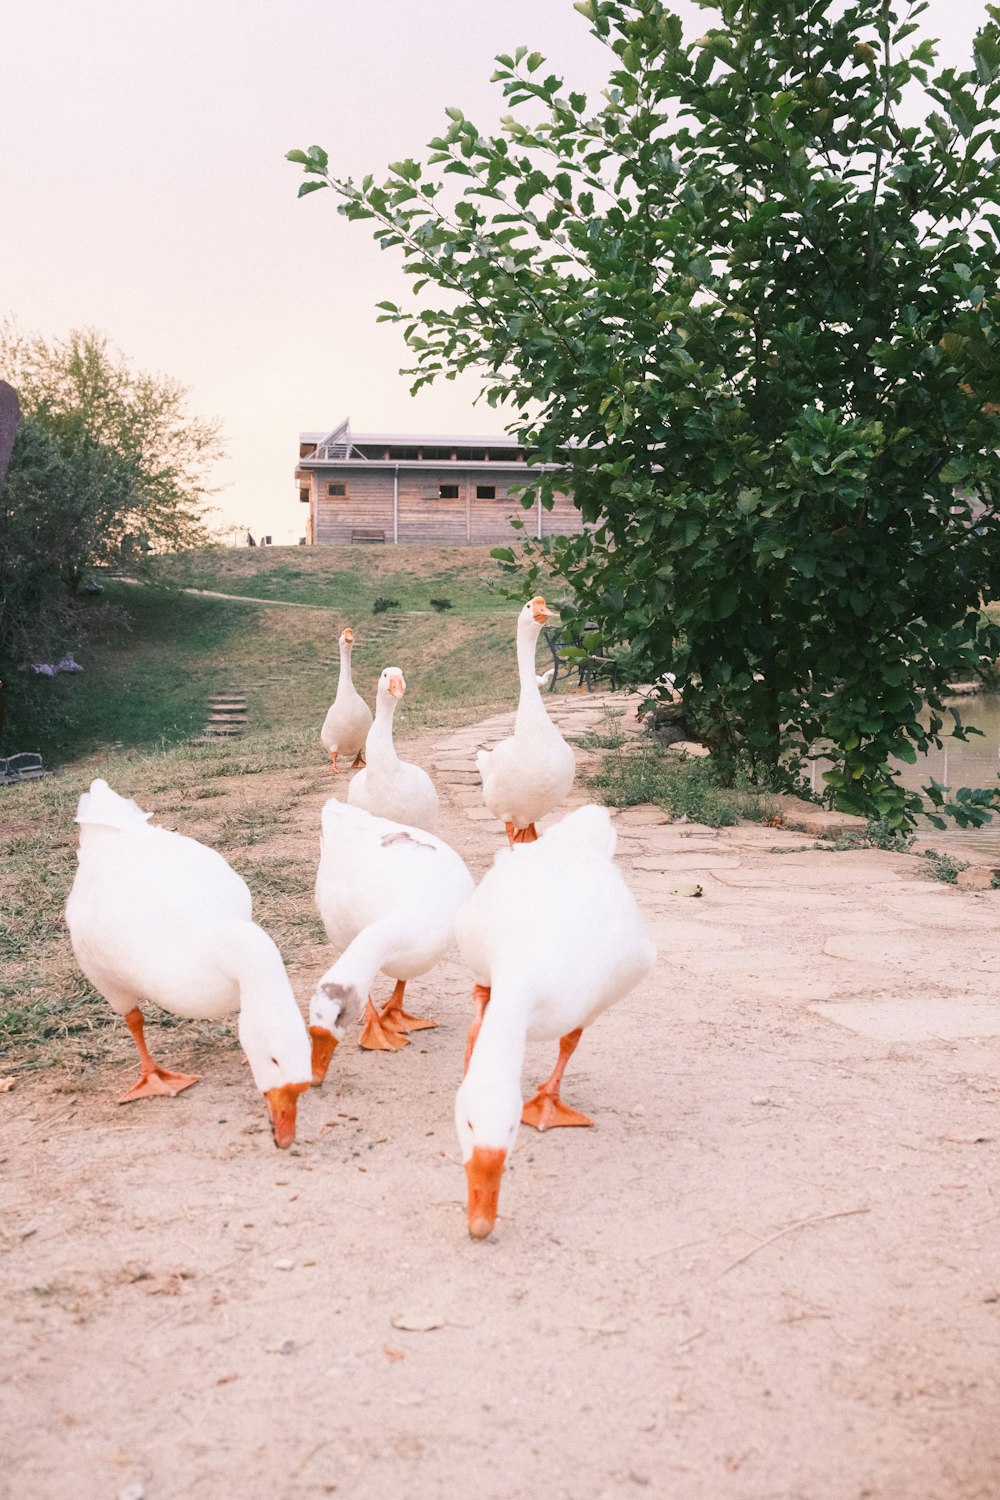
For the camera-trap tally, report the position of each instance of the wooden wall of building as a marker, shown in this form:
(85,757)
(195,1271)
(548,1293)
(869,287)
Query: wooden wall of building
(423,515)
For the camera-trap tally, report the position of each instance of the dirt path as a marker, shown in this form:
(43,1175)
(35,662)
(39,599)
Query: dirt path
(771,1272)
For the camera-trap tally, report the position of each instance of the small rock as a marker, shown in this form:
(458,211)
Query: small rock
(284,1265)
(132,1492)
(638,1109)
(287,1346)
(977,877)
(760,1099)
(686,888)
(413,1323)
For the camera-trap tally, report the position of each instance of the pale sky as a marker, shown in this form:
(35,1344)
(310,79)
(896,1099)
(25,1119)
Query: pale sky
(144,192)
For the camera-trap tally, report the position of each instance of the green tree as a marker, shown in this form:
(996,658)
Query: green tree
(747,304)
(107,468)
(89,397)
(59,507)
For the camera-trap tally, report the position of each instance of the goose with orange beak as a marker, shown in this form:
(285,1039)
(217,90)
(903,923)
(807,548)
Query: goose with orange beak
(390,787)
(157,917)
(349,718)
(544,969)
(527,776)
(388,894)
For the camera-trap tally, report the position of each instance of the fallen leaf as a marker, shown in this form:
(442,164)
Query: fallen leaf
(225,1379)
(413,1323)
(392,1355)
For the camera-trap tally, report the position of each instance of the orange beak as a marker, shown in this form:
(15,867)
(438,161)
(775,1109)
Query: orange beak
(349,636)
(484,1170)
(281,1104)
(540,610)
(397,687)
(324,1045)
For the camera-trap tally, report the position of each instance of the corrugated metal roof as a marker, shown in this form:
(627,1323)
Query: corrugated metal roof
(420,439)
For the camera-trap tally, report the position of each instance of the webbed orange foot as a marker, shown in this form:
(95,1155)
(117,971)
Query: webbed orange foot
(546,1111)
(396,1018)
(401,1020)
(377,1035)
(159,1083)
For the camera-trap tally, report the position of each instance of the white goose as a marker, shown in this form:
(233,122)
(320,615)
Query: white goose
(528,775)
(390,787)
(348,718)
(388,895)
(153,915)
(553,937)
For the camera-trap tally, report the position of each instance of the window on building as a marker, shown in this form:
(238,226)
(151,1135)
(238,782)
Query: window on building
(447,491)
(304,496)
(337,489)
(486,491)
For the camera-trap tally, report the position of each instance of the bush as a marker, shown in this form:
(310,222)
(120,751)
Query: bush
(381,605)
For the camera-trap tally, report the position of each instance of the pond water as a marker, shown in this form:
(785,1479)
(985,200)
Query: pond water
(974,762)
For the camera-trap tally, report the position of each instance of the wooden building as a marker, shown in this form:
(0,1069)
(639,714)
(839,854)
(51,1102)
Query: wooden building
(392,487)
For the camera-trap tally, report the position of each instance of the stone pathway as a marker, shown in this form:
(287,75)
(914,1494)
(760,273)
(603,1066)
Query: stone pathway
(875,920)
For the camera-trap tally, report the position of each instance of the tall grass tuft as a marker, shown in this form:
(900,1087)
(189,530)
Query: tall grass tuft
(635,771)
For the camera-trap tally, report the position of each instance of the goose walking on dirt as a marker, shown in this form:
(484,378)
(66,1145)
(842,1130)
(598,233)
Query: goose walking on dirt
(553,937)
(390,787)
(528,775)
(348,718)
(155,916)
(388,894)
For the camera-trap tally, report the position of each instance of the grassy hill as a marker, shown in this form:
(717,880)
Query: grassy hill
(150,670)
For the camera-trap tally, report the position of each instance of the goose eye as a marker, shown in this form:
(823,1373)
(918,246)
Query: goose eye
(275,1061)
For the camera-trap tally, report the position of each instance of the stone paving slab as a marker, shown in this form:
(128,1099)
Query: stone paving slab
(825,876)
(914,1020)
(686,860)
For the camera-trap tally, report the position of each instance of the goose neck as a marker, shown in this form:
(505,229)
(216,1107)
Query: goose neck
(530,701)
(344,682)
(500,1046)
(380,735)
(362,959)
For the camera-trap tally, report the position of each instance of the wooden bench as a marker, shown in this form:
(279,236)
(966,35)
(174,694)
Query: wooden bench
(367,534)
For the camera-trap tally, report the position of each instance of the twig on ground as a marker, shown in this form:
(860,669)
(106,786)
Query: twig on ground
(698,1333)
(843,1213)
